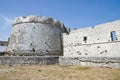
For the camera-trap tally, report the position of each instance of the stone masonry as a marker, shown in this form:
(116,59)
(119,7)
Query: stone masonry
(101,41)
(34,35)
(38,40)
(28,60)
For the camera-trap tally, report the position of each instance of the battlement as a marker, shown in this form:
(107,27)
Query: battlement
(37,19)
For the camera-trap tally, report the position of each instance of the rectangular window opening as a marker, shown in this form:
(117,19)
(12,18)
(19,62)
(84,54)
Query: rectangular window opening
(85,38)
(113,36)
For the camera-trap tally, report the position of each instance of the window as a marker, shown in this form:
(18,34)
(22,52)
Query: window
(84,38)
(113,36)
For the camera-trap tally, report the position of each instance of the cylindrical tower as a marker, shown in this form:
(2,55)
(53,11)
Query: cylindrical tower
(34,35)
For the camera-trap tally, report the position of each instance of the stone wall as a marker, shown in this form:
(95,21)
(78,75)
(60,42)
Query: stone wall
(100,41)
(34,34)
(113,62)
(31,53)
(28,60)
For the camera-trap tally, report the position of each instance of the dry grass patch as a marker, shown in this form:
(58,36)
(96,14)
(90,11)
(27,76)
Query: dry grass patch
(56,72)
(82,68)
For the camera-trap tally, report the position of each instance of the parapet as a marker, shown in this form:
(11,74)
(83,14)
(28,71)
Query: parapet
(38,19)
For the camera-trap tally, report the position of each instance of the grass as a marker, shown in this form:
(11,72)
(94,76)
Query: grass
(56,72)
(82,68)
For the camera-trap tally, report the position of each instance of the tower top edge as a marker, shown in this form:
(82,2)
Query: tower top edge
(37,19)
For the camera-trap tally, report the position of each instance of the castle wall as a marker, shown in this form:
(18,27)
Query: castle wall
(36,35)
(113,62)
(93,41)
(93,46)
(28,60)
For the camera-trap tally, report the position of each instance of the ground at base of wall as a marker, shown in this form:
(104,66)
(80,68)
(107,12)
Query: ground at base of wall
(57,72)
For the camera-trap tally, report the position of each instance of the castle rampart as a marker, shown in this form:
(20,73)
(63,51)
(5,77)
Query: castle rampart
(101,41)
(34,35)
(38,40)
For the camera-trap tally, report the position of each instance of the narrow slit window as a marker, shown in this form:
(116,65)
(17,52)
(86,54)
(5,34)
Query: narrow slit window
(113,36)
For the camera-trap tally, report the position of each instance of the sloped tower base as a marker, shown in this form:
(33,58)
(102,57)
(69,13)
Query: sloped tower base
(28,60)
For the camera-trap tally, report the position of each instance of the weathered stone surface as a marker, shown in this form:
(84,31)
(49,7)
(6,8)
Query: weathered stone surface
(93,41)
(113,62)
(28,60)
(35,34)
(93,46)
(38,19)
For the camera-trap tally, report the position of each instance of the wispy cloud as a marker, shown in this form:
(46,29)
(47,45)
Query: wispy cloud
(6,21)
(5,27)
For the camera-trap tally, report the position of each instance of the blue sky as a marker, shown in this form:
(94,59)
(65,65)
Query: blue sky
(73,13)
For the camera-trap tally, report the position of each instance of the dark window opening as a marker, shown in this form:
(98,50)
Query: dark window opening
(113,36)
(85,38)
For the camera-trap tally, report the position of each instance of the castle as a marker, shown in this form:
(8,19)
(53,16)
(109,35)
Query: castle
(43,40)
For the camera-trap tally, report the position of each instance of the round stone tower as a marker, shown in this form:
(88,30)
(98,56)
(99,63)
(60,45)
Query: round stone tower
(36,36)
